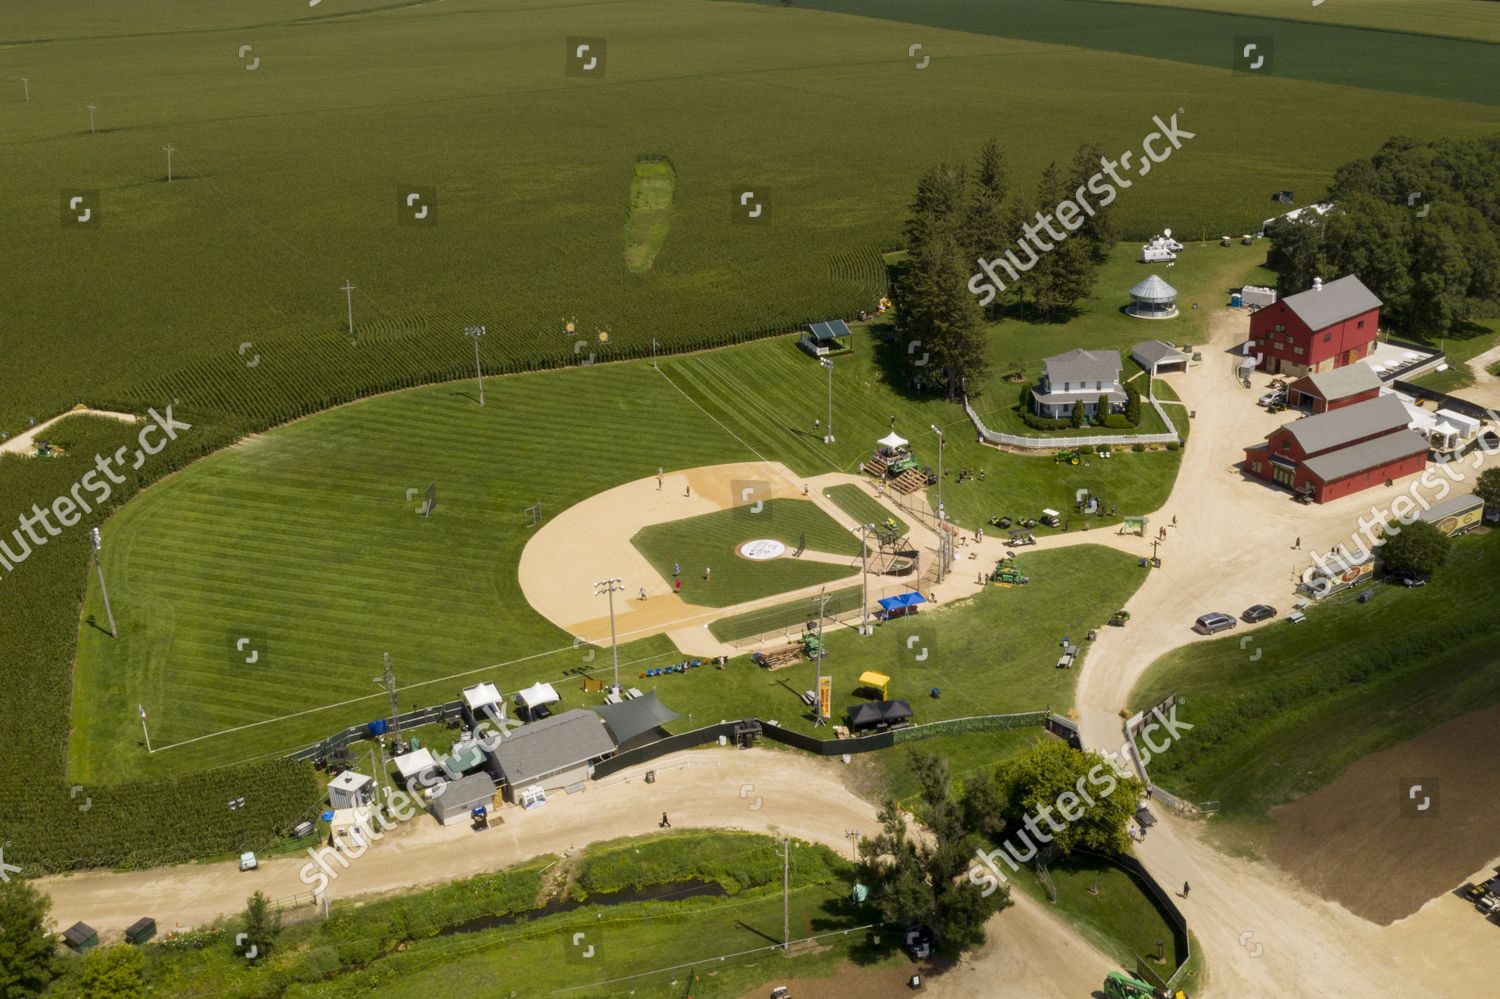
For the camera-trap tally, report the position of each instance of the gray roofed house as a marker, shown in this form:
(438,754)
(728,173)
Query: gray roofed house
(1322,305)
(554,752)
(1153,355)
(1316,434)
(634,718)
(1079,375)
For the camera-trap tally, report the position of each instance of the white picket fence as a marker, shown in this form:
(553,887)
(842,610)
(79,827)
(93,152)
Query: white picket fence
(1039,443)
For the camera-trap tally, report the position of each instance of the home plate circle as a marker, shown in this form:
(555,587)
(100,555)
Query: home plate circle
(762,549)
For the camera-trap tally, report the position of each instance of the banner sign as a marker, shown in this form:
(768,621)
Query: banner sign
(825,697)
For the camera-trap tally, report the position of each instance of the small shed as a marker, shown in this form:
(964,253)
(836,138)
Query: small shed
(1157,356)
(350,827)
(350,789)
(452,802)
(821,339)
(81,937)
(141,930)
(1152,298)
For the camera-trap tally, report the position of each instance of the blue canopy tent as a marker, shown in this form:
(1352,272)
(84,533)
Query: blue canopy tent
(900,605)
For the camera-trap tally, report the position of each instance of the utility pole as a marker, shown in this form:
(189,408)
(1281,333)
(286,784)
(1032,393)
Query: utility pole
(349,299)
(653,354)
(938,430)
(95,540)
(26,83)
(474,333)
(610,587)
(828,366)
(168,148)
(91,119)
(786,904)
(390,687)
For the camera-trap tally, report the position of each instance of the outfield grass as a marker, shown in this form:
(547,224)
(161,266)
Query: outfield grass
(859,504)
(1318,696)
(711,540)
(532,168)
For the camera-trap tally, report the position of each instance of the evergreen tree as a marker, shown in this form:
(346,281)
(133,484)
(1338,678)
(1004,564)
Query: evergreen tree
(1101,230)
(943,315)
(27,958)
(1078,413)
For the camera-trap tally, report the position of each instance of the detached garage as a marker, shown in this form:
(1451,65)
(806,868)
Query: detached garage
(1157,356)
(452,802)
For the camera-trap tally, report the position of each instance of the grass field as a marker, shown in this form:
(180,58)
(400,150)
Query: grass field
(711,540)
(652,184)
(149,306)
(1276,727)
(1472,19)
(859,504)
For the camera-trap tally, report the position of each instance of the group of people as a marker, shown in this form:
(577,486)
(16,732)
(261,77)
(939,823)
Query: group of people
(965,474)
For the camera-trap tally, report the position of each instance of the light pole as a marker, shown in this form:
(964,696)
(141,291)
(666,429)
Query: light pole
(169,149)
(26,84)
(348,291)
(864,573)
(818,704)
(96,542)
(474,333)
(938,430)
(610,587)
(828,366)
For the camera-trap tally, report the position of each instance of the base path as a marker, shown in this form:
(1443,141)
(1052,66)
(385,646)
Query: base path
(755,790)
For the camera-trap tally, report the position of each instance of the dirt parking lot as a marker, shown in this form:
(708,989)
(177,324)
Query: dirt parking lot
(1362,841)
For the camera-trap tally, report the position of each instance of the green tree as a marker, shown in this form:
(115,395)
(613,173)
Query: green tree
(27,958)
(943,315)
(1051,778)
(1065,272)
(1487,487)
(1101,408)
(1132,405)
(262,925)
(1296,253)
(1371,238)
(1078,413)
(1417,549)
(1100,230)
(117,972)
(917,882)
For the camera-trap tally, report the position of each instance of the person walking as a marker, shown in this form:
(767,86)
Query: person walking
(664,823)
(1185,886)
(643,593)
(708,573)
(1298,545)
(678,584)
(676,568)
(688,492)
(1174,520)
(659,471)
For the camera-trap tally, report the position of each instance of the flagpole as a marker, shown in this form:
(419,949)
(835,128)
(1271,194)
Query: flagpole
(144,728)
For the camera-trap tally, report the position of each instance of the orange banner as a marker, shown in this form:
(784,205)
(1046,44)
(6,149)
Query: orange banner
(825,696)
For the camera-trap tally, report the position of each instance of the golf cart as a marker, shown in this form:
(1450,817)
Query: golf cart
(1001,522)
(1119,618)
(1051,518)
(1019,539)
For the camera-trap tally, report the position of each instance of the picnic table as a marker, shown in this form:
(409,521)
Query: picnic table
(633,693)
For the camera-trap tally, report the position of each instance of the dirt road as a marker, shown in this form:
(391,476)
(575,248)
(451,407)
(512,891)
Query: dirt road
(755,790)
(22,443)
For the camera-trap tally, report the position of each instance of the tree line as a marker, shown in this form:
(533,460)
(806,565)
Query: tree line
(1418,222)
(960,218)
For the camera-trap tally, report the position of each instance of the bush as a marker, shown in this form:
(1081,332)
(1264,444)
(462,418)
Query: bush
(1116,421)
(1137,448)
(1173,446)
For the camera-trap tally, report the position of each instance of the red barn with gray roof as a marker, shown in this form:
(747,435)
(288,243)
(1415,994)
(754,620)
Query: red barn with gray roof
(1341,451)
(1326,327)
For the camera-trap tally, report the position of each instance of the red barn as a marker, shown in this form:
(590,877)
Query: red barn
(1341,451)
(1327,326)
(1325,390)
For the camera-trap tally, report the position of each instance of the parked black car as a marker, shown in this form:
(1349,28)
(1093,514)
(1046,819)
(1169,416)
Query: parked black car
(1260,612)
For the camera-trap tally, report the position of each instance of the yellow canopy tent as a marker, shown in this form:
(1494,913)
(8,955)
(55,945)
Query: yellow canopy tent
(875,681)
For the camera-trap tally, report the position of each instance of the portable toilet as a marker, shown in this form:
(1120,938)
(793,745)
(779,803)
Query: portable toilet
(1236,300)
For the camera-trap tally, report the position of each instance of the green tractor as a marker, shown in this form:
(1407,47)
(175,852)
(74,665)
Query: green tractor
(811,644)
(1119,985)
(1007,573)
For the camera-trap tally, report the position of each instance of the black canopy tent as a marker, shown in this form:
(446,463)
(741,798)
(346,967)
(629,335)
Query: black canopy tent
(879,714)
(631,719)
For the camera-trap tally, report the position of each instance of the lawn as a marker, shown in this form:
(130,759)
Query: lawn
(1276,722)
(531,170)
(1108,907)
(710,541)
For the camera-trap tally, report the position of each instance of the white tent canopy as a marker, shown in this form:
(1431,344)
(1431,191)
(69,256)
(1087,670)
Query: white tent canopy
(893,440)
(481,695)
(412,764)
(538,694)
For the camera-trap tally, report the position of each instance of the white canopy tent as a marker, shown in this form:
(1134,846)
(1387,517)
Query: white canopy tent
(893,440)
(537,694)
(411,765)
(482,695)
